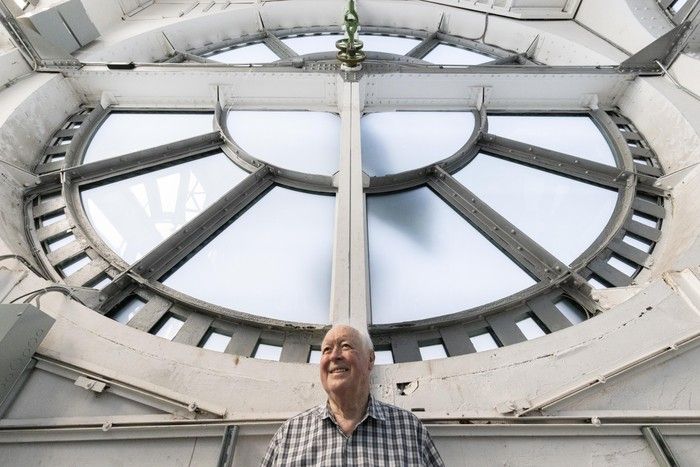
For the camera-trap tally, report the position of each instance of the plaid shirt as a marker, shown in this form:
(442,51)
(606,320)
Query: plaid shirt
(387,436)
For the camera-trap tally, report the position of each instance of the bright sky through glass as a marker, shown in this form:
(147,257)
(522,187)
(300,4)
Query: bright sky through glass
(273,261)
(134,215)
(574,135)
(394,142)
(449,55)
(563,215)
(254,53)
(371,43)
(304,141)
(123,133)
(426,261)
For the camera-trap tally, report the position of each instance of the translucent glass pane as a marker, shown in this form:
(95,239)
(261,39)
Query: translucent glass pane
(398,141)
(315,356)
(483,342)
(312,44)
(445,54)
(676,7)
(74,265)
(393,45)
(268,352)
(52,219)
(123,133)
(101,283)
(571,311)
(646,220)
(596,284)
(315,44)
(432,352)
(217,342)
(255,53)
(574,135)
(638,242)
(561,214)
(303,141)
(425,260)
(55,244)
(622,266)
(273,261)
(383,357)
(134,215)
(169,328)
(127,310)
(530,328)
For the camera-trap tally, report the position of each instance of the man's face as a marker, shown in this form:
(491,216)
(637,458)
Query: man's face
(345,362)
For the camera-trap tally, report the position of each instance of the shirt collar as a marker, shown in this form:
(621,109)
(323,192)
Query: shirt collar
(374,410)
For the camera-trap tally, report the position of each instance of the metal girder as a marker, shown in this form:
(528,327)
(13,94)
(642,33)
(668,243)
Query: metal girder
(662,452)
(278,47)
(425,46)
(152,158)
(186,240)
(522,249)
(663,50)
(228,446)
(553,161)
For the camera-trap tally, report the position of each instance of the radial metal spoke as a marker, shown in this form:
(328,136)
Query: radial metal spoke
(424,47)
(553,161)
(152,159)
(522,249)
(190,237)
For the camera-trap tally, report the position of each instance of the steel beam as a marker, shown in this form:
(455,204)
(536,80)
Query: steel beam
(527,253)
(121,166)
(553,161)
(186,240)
(662,452)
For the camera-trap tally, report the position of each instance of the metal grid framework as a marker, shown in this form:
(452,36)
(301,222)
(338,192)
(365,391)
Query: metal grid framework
(62,176)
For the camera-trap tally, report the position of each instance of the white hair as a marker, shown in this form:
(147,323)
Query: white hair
(364,335)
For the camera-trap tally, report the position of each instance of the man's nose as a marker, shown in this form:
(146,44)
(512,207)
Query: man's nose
(336,353)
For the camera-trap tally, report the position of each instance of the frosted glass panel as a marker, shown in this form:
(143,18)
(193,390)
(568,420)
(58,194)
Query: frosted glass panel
(54,245)
(255,53)
(52,219)
(128,310)
(398,141)
(169,329)
(574,135)
(483,342)
(450,55)
(530,328)
(622,266)
(571,311)
(646,220)
(425,260)
(638,242)
(217,342)
(134,215)
(123,133)
(561,214)
(101,283)
(303,141)
(315,356)
(74,265)
(676,7)
(393,45)
(432,352)
(268,352)
(314,44)
(273,261)
(383,357)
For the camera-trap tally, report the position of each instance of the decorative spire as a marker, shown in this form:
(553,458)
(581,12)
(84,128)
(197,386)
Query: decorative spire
(350,49)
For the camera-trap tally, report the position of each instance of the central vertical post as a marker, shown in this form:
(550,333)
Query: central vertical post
(350,285)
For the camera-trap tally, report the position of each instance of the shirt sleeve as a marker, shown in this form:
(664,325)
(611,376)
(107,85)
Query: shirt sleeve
(272,453)
(431,456)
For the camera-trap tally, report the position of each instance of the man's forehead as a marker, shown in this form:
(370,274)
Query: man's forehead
(341,333)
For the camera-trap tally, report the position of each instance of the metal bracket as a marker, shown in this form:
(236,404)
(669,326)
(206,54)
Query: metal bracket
(91,384)
(665,49)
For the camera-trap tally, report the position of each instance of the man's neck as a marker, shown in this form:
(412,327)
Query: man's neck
(348,412)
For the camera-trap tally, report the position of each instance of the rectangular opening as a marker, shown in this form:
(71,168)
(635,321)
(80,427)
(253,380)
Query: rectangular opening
(484,341)
(571,310)
(59,242)
(216,341)
(168,327)
(432,350)
(530,328)
(645,219)
(598,282)
(314,355)
(265,351)
(50,219)
(638,242)
(100,283)
(383,355)
(621,264)
(127,309)
(48,197)
(73,265)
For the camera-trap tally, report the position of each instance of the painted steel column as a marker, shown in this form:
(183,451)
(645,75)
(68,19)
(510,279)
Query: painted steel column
(349,293)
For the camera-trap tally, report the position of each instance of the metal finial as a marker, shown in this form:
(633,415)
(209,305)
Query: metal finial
(350,49)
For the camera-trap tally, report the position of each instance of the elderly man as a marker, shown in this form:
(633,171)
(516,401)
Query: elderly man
(351,428)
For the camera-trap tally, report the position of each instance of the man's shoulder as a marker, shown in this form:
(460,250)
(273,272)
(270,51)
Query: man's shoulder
(313,413)
(395,413)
